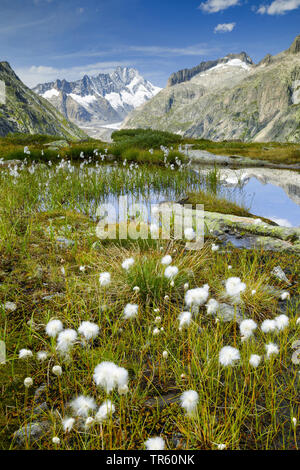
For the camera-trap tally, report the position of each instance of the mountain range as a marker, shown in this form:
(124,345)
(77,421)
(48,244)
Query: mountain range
(24,111)
(230,99)
(96,101)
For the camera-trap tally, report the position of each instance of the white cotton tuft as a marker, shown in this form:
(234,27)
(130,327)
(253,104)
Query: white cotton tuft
(189,234)
(271,349)
(247,327)
(285,295)
(171,272)
(189,401)
(89,330)
(214,247)
(212,307)
(108,376)
(83,405)
(106,410)
(268,326)
(130,311)
(68,424)
(254,360)
(42,356)
(25,353)
(128,263)
(282,322)
(197,296)
(228,356)
(185,319)
(104,279)
(166,260)
(53,328)
(28,382)
(155,443)
(57,370)
(234,287)
(66,340)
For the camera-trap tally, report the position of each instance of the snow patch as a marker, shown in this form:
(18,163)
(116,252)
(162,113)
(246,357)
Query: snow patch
(50,93)
(83,100)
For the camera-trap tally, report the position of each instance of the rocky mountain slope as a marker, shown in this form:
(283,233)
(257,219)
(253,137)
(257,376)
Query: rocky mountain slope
(231,98)
(24,111)
(96,101)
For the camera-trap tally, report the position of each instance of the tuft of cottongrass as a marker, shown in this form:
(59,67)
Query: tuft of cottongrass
(271,350)
(166,260)
(171,272)
(165,354)
(89,422)
(42,356)
(156,331)
(108,376)
(254,360)
(185,319)
(214,247)
(104,279)
(212,307)
(56,440)
(197,296)
(25,353)
(285,295)
(57,370)
(268,326)
(228,356)
(88,330)
(221,446)
(234,288)
(247,327)
(53,328)
(83,405)
(189,401)
(136,289)
(189,234)
(130,311)
(106,410)
(128,263)
(282,322)
(28,382)
(155,443)
(66,340)
(68,424)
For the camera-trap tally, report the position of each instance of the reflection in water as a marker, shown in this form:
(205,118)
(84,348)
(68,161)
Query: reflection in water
(270,193)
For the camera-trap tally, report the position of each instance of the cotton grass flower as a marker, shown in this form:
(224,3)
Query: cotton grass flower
(130,311)
(56,440)
(136,289)
(185,319)
(53,328)
(156,331)
(104,279)
(68,424)
(268,326)
(282,322)
(165,354)
(66,340)
(285,295)
(234,287)
(166,260)
(247,327)
(254,360)
(128,263)
(28,382)
(88,330)
(212,307)
(171,272)
(83,405)
(106,410)
(221,446)
(89,422)
(197,296)
(25,354)
(228,356)
(214,247)
(189,401)
(108,376)
(57,370)
(155,443)
(271,350)
(42,356)
(189,234)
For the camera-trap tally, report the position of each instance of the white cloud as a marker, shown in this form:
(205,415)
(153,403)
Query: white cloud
(224,28)
(213,6)
(33,75)
(279,7)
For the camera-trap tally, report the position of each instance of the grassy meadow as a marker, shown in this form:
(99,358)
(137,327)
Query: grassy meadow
(51,262)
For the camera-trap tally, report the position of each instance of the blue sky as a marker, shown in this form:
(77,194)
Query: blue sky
(48,39)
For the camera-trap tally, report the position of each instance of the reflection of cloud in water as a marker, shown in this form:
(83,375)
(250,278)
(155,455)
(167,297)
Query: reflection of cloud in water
(281,222)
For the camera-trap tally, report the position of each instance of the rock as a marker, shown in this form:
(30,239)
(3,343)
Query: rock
(57,144)
(40,410)
(280,274)
(32,432)
(39,392)
(50,297)
(163,401)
